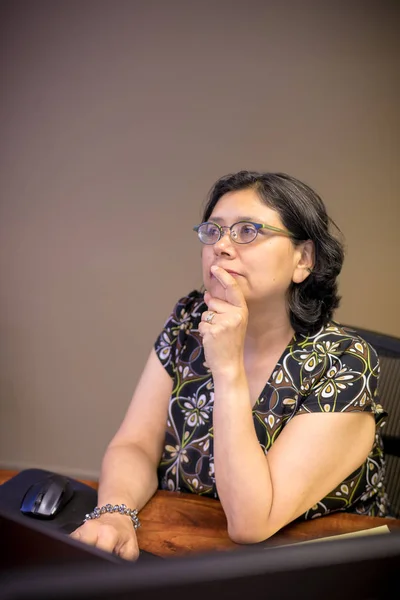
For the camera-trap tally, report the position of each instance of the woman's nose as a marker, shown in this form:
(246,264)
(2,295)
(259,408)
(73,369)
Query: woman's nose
(225,244)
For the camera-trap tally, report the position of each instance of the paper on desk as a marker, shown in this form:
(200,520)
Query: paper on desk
(372,531)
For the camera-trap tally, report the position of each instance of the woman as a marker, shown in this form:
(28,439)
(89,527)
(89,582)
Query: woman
(252,393)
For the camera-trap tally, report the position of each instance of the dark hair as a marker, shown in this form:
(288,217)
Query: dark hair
(312,302)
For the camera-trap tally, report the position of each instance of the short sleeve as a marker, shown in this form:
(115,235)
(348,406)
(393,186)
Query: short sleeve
(182,321)
(348,381)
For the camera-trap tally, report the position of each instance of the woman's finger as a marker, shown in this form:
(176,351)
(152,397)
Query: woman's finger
(107,539)
(208,316)
(233,293)
(85,534)
(219,306)
(129,550)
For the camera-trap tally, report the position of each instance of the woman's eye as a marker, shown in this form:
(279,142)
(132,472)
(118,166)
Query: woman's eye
(212,230)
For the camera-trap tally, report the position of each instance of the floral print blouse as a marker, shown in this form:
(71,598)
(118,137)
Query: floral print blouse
(333,370)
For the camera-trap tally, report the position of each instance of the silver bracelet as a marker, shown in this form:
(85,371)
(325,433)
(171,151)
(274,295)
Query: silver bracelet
(117,508)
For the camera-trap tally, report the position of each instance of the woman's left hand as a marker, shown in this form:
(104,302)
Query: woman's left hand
(223,325)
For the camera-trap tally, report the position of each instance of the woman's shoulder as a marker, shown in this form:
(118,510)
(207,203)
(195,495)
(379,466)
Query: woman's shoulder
(338,339)
(187,309)
(332,353)
(191,302)
(179,329)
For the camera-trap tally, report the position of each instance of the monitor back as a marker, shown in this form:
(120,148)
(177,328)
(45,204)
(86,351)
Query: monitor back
(362,568)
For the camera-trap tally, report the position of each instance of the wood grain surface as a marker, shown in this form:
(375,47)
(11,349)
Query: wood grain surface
(175,523)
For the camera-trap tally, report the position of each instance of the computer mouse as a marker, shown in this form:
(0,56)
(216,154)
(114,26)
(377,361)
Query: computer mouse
(47,497)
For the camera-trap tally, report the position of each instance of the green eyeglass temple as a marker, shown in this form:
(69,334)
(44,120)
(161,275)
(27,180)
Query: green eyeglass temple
(257,226)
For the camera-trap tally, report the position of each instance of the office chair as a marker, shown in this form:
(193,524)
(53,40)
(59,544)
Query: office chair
(388,349)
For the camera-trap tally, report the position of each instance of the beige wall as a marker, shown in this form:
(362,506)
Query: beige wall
(116,117)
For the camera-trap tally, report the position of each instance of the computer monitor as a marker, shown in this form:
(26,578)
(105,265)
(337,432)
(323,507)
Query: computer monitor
(360,568)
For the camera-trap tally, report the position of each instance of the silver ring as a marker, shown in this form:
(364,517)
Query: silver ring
(210,317)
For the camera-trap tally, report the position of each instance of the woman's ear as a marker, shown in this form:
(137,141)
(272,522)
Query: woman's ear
(306,261)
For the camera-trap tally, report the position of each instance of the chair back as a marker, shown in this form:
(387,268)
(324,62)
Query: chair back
(388,349)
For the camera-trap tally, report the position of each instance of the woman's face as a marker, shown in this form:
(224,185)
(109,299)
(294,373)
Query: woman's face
(265,267)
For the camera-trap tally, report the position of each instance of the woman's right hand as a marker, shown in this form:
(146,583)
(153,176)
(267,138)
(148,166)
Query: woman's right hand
(110,532)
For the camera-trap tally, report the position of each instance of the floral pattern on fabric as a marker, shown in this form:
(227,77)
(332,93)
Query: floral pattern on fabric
(332,371)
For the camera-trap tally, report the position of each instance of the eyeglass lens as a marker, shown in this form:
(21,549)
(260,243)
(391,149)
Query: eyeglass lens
(242,233)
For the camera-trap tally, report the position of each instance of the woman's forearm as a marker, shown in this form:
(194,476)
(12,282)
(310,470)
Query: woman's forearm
(128,476)
(241,468)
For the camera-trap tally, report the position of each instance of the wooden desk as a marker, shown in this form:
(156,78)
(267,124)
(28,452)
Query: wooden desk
(174,523)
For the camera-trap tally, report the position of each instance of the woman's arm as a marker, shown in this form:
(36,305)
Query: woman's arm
(129,467)
(312,455)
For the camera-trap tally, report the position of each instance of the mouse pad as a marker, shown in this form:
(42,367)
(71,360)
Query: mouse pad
(33,541)
(71,516)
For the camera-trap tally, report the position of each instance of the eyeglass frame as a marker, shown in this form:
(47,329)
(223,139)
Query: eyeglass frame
(257,226)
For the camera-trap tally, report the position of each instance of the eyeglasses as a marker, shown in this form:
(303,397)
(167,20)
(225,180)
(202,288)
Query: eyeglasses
(242,232)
